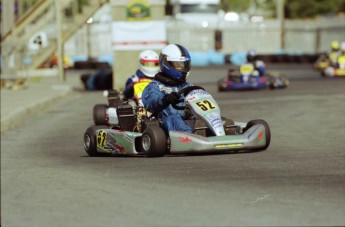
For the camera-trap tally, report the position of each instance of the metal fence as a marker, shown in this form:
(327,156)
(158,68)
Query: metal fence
(300,36)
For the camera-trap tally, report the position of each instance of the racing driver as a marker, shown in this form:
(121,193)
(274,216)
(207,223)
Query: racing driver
(148,68)
(175,65)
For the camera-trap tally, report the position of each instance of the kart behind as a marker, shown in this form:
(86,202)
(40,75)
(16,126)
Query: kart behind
(139,133)
(335,71)
(103,114)
(321,62)
(247,78)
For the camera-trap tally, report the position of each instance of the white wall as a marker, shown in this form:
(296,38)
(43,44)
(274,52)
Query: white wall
(307,36)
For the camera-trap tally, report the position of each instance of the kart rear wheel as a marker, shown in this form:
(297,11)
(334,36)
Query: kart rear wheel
(267,131)
(154,142)
(221,89)
(229,127)
(90,141)
(99,114)
(272,85)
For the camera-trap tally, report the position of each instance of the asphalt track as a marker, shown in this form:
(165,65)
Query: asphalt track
(48,180)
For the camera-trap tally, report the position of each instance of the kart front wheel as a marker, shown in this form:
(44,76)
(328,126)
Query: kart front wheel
(221,89)
(154,142)
(90,142)
(99,114)
(267,131)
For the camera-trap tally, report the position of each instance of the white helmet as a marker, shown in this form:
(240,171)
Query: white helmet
(342,47)
(149,63)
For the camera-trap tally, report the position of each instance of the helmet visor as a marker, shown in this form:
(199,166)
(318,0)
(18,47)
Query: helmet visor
(149,63)
(182,66)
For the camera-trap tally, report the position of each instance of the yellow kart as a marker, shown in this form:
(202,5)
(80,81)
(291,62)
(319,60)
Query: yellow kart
(336,71)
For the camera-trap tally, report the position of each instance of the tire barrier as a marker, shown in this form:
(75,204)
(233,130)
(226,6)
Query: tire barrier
(212,57)
(200,58)
(91,65)
(238,58)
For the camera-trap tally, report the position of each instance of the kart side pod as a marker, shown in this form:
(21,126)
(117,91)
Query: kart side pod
(256,137)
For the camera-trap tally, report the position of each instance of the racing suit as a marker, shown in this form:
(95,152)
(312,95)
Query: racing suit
(153,101)
(131,81)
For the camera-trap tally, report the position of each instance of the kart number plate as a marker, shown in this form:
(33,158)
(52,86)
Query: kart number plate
(246,68)
(205,105)
(101,138)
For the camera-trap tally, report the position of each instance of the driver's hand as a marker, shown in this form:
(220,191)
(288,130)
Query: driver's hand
(172,98)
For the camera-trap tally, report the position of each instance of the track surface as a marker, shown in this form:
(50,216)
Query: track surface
(48,180)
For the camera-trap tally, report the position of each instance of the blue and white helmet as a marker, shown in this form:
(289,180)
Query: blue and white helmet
(175,62)
(251,55)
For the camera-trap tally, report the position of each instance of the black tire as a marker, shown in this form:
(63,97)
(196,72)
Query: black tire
(99,113)
(267,131)
(220,89)
(272,86)
(229,131)
(90,141)
(154,142)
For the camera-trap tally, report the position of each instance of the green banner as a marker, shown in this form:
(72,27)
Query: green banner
(138,10)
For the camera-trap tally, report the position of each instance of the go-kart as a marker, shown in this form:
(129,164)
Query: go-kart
(321,62)
(247,78)
(276,80)
(335,71)
(102,113)
(325,60)
(139,134)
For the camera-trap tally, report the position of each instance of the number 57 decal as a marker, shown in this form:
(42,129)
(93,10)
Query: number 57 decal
(101,138)
(205,105)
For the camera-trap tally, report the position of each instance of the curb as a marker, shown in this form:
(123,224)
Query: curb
(20,116)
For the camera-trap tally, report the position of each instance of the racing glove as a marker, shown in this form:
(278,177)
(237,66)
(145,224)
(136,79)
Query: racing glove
(172,98)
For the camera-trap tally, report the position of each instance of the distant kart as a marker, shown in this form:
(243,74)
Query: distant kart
(102,113)
(322,62)
(335,71)
(136,133)
(246,78)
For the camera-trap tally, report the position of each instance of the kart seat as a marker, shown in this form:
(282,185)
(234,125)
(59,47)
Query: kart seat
(127,118)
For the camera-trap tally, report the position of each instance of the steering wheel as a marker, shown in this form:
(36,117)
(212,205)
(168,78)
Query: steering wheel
(185,91)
